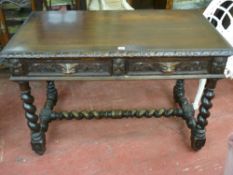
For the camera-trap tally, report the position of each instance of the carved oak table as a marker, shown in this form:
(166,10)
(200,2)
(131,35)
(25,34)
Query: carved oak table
(120,45)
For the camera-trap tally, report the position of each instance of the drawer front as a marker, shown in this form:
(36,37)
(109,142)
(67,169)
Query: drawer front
(165,67)
(71,68)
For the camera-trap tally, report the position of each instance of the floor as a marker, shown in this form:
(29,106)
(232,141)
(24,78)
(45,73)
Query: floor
(113,147)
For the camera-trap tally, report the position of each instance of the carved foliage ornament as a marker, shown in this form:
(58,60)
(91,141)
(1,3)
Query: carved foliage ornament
(69,68)
(168,67)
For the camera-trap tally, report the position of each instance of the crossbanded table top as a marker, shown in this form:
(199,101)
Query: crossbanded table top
(143,33)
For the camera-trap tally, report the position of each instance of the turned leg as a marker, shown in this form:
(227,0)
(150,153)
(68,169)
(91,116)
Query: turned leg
(198,134)
(45,115)
(37,137)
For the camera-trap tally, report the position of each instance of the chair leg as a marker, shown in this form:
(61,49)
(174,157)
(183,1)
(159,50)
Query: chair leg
(82,4)
(103,5)
(126,5)
(229,162)
(199,93)
(229,68)
(4,33)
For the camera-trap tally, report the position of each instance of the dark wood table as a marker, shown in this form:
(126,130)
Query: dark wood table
(138,45)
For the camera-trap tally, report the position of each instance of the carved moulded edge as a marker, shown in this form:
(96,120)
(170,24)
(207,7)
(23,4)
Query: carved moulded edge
(117,53)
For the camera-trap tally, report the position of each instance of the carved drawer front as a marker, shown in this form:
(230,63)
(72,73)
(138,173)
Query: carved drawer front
(169,66)
(71,68)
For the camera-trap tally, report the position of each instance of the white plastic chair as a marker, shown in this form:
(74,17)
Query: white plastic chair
(229,161)
(220,14)
(108,5)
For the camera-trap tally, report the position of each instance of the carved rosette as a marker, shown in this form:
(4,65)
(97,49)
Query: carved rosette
(16,67)
(118,67)
(218,65)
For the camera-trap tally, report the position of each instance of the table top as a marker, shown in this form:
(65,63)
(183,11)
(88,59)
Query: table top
(116,33)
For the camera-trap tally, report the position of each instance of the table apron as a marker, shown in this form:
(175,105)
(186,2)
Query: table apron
(119,68)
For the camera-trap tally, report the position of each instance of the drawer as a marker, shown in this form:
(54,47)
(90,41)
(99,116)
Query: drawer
(88,67)
(168,66)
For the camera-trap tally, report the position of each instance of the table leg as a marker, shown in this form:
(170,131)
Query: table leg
(198,134)
(37,137)
(186,111)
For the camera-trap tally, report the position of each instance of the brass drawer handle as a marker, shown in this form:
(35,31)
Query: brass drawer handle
(168,67)
(68,68)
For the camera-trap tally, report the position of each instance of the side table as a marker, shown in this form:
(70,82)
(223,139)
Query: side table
(119,45)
